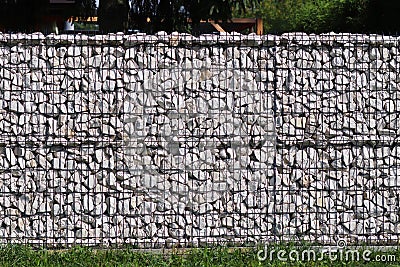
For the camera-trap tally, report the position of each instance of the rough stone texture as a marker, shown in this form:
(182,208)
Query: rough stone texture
(179,140)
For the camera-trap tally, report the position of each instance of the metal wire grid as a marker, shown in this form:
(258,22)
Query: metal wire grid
(94,185)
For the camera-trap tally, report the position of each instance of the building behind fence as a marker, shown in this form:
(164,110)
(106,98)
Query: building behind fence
(175,140)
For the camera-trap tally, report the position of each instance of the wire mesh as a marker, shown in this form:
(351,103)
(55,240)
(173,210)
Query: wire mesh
(156,141)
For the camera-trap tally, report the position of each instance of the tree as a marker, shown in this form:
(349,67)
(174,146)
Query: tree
(383,16)
(173,15)
(315,16)
(217,9)
(113,15)
(32,15)
(311,15)
(118,15)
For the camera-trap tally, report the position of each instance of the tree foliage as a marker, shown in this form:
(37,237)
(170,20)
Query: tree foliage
(173,15)
(316,16)
(113,15)
(31,15)
(155,15)
(167,15)
(310,15)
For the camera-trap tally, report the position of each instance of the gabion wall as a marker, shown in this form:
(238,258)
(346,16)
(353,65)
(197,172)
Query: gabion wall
(175,140)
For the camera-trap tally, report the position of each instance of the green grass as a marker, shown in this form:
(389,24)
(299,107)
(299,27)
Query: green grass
(16,255)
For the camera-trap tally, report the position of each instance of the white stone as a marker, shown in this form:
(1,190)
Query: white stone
(111,205)
(74,51)
(206,156)
(263,155)
(338,62)
(339,140)
(56,210)
(58,163)
(147,208)
(212,196)
(24,204)
(10,156)
(299,122)
(88,203)
(90,182)
(351,225)
(16,106)
(392,181)
(107,130)
(45,108)
(149,181)
(111,180)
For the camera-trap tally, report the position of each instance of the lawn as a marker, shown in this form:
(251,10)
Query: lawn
(13,255)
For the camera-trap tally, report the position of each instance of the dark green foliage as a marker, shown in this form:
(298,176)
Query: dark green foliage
(335,15)
(317,16)
(314,16)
